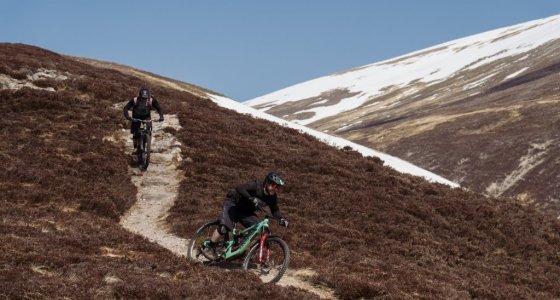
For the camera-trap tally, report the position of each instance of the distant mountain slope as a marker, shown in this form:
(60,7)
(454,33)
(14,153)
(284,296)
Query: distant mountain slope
(481,111)
(366,230)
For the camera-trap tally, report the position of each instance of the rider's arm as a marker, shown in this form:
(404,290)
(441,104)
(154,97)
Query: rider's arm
(274,209)
(155,105)
(245,189)
(127,107)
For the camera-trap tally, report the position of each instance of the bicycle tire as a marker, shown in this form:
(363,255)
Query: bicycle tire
(144,152)
(145,157)
(279,248)
(140,151)
(202,234)
(148,150)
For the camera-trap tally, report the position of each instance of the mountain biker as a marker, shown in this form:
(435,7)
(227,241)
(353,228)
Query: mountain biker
(240,205)
(141,107)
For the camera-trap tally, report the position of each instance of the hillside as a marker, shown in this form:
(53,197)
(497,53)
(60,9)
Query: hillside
(64,185)
(481,111)
(363,229)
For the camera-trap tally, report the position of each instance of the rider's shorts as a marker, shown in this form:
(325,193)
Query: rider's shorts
(230,215)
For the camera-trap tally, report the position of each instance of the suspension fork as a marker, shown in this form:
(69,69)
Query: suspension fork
(144,140)
(263,238)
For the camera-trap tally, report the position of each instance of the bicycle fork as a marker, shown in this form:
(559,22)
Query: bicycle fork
(263,238)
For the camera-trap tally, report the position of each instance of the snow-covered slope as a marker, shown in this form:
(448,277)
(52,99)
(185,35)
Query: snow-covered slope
(472,110)
(428,66)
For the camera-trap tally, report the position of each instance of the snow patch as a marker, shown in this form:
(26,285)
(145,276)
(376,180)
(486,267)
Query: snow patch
(477,83)
(394,162)
(428,66)
(515,74)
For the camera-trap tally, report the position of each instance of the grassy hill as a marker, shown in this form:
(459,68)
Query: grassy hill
(364,229)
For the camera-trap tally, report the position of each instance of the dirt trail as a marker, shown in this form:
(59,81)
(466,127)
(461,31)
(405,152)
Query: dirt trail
(157,190)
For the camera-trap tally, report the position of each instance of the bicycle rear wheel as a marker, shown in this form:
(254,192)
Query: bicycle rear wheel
(275,260)
(198,240)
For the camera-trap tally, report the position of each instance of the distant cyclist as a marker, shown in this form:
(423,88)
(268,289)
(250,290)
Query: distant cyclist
(241,203)
(141,107)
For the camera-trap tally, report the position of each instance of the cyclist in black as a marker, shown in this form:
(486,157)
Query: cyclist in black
(141,107)
(241,203)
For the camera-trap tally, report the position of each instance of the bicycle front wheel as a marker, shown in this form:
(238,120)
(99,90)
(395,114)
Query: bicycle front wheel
(147,150)
(144,153)
(272,264)
(196,248)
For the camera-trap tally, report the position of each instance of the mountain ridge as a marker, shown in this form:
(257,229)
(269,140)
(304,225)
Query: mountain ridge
(426,105)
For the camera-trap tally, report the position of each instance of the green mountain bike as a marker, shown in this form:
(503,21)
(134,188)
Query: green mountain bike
(267,255)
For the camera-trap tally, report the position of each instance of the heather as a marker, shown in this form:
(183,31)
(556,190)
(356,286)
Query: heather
(365,230)
(64,185)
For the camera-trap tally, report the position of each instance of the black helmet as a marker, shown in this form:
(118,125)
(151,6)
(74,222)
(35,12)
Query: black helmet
(144,93)
(273,177)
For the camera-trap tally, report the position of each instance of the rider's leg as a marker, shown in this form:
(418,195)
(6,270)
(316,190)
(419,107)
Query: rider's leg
(226,221)
(134,126)
(248,221)
(136,140)
(149,125)
(219,233)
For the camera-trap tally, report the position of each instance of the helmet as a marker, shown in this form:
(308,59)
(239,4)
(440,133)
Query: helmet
(144,93)
(273,177)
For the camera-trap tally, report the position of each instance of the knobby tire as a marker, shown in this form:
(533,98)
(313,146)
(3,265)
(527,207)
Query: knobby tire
(202,234)
(280,258)
(144,153)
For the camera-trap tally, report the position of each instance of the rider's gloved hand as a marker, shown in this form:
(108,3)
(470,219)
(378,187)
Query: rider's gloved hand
(160,119)
(257,202)
(283,222)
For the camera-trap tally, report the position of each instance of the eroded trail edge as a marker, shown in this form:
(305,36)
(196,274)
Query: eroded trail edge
(157,190)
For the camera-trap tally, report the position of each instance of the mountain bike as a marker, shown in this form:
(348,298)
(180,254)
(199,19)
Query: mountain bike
(268,255)
(144,144)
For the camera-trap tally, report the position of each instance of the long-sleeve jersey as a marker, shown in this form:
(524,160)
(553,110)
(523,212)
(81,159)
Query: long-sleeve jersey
(141,110)
(241,194)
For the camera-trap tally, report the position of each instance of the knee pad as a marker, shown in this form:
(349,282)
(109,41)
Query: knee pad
(223,230)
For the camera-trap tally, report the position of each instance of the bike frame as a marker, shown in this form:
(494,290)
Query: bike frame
(248,234)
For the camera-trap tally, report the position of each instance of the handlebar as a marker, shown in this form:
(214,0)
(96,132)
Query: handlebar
(267,214)
(144,121)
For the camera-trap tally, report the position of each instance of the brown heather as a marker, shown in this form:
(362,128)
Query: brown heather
(367,230)
(63,189)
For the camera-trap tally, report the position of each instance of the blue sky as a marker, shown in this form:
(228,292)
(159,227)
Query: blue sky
(245,49)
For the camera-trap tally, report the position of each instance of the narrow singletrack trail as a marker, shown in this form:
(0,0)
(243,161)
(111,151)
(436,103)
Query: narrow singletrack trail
(157,190)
